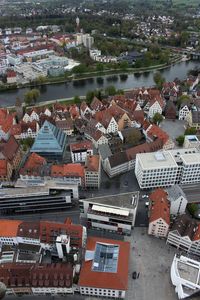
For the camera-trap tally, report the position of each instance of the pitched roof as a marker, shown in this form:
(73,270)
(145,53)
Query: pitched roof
(96,104)
(34,165)
(155,131)
(9,228)
(107,280)
(186,226)
(67,170)
(118,159)
(92,163)
(3,167)
(160,207)
(10,148)
(80,146)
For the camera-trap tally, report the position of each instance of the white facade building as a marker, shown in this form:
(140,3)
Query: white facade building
(114,213)
(166,168)
(178,200)
(185,276)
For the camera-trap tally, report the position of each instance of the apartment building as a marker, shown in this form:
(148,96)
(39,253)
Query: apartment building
(37,279)
(104,272)
(166,168)
(114,213)
(185,235)
(159,213)
(79,151)
(178,200)
(93,171)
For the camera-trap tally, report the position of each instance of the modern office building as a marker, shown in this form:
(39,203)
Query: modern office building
(114,213)
(50,142)
(185,276)
(166,168)
(104,272)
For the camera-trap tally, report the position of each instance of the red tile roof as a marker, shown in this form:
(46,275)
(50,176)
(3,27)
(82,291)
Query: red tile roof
(7,123)
(84,145)
(50,230)
(33,166)
(10,149)
(160,206)
(196,236)
(9,228)
(115,281)
(92,163)
(67,170)
(156,132)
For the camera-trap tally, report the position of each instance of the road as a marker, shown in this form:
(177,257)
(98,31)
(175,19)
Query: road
(32,297)
(192,192)
(58,216)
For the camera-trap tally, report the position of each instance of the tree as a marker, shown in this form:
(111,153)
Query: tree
(159,80)
(35,94)
(134,137)
(110,90)
(123,65)
(180,140)
(31,96)
(182,98)
(89,96)
(99,67)
(190,131)
(76,100)
(157,118)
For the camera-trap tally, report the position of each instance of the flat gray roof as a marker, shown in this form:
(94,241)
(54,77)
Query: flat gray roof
(156,160)
(124,200)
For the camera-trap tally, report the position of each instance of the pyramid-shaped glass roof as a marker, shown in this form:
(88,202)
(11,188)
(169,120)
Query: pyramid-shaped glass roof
(50,140)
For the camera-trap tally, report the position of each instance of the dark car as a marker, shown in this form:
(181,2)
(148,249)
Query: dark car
(134,275)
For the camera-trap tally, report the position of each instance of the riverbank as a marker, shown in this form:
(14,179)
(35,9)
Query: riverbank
(79,88)
(89,75)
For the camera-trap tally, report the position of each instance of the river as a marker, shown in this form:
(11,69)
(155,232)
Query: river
(80,87)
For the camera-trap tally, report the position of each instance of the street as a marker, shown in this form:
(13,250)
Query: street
(192,192)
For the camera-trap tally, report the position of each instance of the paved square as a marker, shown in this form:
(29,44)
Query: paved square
(152,258)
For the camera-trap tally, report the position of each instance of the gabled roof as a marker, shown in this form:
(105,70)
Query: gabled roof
(67,170)
(80,146)
(10,148)
(9,228)
(160,208)
(154,131)
(96,104)
(92,163)
(115,281)
(34,165)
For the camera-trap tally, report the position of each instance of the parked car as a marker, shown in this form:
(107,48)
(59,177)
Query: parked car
(134,275)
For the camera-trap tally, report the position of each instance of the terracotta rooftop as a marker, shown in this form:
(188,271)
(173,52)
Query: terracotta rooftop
(67,170)
(160,206)
(21,275)
(92,163)
(9,228)
(33,166)
(50,230)
(118,280)
(154,131)
(10,148)
(80,146)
